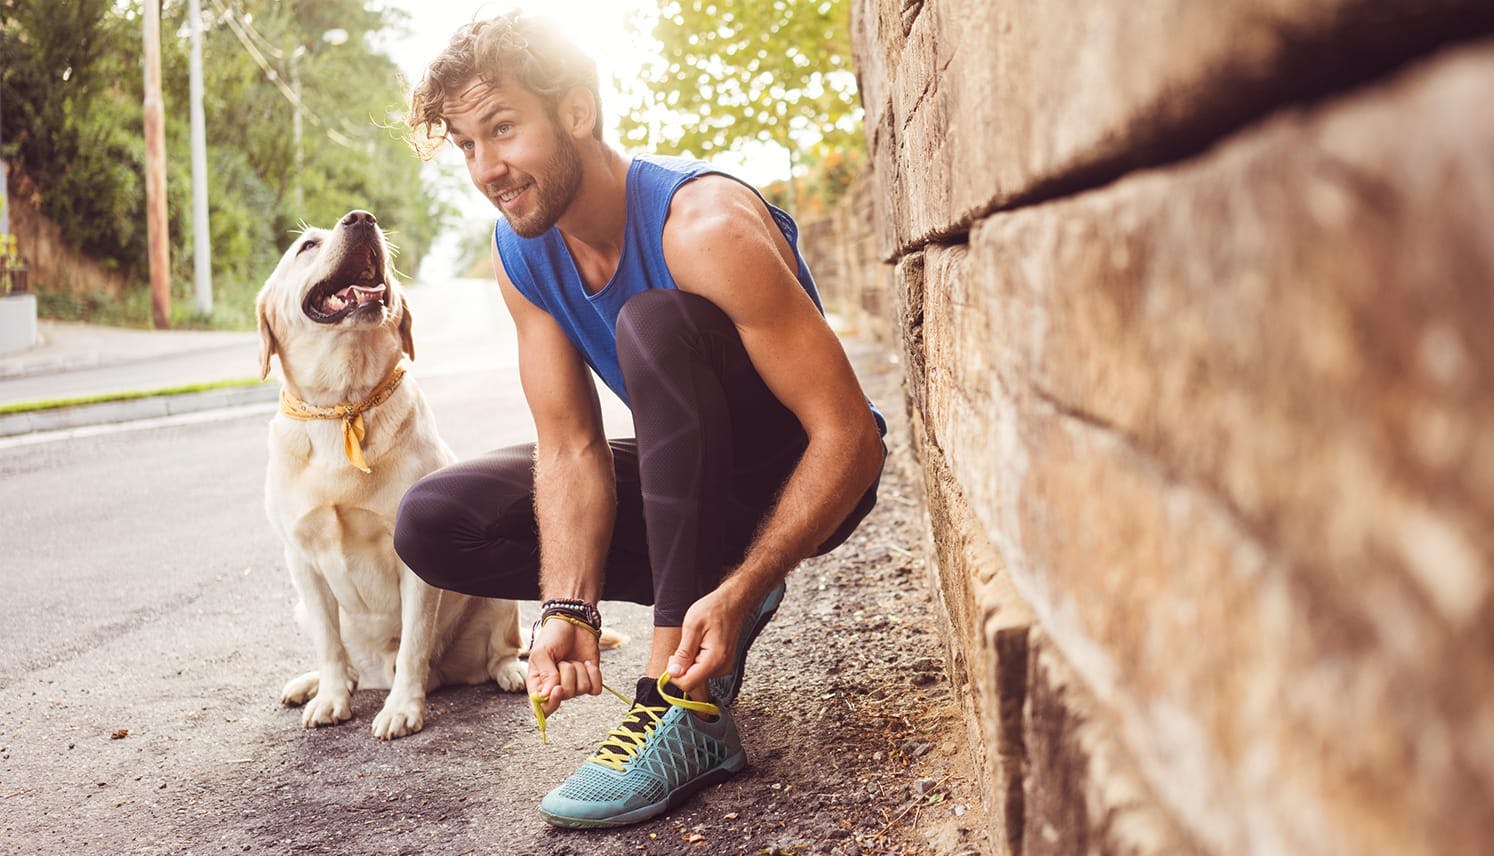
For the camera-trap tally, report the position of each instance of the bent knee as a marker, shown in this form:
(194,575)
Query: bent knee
(659,321)
(423,529)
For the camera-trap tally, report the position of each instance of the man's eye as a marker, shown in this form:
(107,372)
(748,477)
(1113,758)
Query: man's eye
(465,145)
(504,128)
(308,244)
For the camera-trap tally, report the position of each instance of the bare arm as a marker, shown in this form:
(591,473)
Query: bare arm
(575,492)
(720,242)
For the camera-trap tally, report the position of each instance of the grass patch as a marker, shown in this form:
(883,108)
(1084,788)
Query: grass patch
(233,307)
(56,403)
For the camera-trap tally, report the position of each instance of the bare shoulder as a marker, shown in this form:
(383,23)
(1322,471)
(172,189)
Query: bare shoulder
(709,197)
(715,220)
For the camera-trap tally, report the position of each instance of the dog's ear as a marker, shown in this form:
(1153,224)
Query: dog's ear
(406,340)
(266,334)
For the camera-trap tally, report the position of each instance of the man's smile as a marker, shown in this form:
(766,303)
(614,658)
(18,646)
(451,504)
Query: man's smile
(507,196)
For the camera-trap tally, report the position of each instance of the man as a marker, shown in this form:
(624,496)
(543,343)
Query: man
(683,290)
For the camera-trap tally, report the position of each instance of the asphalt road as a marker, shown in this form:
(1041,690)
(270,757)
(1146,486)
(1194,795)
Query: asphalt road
(148,630)
(145,594)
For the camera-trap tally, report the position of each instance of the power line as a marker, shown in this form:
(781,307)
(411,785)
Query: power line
(247,22)
(274,77)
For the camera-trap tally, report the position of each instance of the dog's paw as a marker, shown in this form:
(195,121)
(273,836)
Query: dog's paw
(327,709)
(509,673)
(400,717)
(300,688)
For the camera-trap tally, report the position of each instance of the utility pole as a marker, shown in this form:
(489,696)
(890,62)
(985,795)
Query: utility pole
(4,197)
(202,253)
(155,171)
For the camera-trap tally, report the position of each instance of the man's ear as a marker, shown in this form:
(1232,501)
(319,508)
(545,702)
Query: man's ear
(406,340)
(578,111)
(266,333)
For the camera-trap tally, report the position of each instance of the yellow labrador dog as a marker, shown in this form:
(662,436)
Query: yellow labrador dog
(352,434)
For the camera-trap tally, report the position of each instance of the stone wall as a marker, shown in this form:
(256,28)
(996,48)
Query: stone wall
(841,250)
(1195,301)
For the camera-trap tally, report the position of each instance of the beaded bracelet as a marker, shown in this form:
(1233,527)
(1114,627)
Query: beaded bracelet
(582,609)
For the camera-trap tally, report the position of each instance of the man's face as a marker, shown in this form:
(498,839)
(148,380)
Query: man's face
(516,153)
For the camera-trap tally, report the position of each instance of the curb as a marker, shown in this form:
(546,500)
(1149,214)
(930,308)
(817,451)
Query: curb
(110,412)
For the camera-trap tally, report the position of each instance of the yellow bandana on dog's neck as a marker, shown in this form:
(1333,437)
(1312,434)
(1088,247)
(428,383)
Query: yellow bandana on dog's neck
(350,414)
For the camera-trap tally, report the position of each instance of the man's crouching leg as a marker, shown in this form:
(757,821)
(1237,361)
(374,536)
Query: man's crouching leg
(685,370)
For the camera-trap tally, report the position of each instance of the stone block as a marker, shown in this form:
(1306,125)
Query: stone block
(1056,778)
(1226,425)
(991,105)
(907,303)
(1080,790)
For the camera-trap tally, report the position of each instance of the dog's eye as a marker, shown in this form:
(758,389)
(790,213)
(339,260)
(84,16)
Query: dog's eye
(308,244)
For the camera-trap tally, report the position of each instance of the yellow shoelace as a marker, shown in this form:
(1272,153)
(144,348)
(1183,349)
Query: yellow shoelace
(620,738)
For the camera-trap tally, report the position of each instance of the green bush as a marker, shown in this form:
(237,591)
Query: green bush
(72,91)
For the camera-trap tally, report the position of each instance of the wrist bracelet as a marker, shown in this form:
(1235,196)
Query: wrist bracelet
(572,620)
(582,609)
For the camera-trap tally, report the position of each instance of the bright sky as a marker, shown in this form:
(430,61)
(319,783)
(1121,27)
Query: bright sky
(601,28)
(598,26)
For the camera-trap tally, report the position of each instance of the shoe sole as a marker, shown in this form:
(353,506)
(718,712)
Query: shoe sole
(715,776)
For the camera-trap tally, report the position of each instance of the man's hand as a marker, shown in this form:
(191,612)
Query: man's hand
(708,640)
(564,662)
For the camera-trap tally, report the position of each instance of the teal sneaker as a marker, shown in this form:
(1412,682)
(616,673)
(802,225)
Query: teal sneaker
(724,688)
(659,756)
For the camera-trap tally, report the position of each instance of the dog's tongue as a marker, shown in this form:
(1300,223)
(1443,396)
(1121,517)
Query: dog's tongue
(361,294)
(353,294)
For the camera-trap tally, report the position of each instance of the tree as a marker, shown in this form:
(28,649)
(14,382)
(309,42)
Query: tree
(730,71)
(65,126)
(73,128)
(353,154)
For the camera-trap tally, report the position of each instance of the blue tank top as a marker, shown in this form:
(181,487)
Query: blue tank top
(543,271)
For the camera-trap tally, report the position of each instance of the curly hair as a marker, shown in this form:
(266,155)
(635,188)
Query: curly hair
(510,46)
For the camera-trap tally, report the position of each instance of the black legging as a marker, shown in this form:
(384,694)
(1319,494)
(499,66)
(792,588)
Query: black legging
(714,446)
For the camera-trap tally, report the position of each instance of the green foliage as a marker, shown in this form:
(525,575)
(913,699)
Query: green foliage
(732,71)
(72,88)
(61,62)
(828,174)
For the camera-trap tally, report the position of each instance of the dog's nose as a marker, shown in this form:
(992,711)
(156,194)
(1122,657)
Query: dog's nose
(359,218)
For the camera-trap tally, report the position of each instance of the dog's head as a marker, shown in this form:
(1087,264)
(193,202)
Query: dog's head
(331,284)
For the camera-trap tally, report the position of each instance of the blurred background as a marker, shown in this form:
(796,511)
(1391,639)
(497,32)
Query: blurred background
(304,116)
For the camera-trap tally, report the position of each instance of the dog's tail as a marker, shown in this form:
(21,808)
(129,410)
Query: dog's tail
(611,639)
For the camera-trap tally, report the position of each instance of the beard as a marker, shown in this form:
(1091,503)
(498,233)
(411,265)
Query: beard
(551,190)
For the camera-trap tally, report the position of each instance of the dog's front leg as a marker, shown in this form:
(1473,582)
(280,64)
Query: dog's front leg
(404,709)
(333,701)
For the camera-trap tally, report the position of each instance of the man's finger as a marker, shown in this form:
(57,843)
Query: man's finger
(689,681)
(541,673)
(567,678)
(583,678)
(695,677)
(554,694)
(684,656)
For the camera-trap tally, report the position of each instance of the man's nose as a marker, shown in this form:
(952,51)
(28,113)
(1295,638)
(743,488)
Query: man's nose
(488,167)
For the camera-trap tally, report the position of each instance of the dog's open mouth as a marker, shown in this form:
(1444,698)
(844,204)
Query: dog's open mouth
(356,285)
